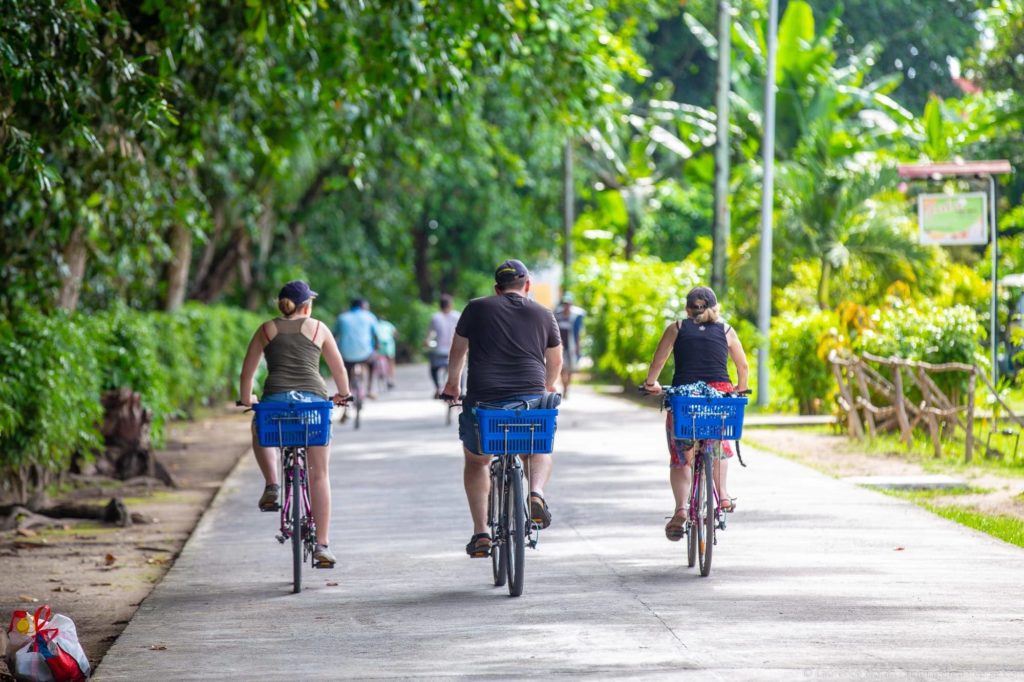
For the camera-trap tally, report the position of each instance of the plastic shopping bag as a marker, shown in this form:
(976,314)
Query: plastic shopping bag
(47,648)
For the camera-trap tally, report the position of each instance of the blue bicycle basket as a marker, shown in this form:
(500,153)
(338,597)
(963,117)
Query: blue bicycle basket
(516,432)
(697,417)
(293,424)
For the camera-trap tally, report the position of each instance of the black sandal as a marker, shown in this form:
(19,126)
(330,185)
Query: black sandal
(479,546)
(539,513)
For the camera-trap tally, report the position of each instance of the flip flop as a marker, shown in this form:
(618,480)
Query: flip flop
(727,504)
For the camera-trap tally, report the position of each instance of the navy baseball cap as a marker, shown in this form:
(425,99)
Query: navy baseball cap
(510,270)
(701,294)
(297,291)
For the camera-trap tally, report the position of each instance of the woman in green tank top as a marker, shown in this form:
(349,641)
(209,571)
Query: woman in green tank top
(292,345)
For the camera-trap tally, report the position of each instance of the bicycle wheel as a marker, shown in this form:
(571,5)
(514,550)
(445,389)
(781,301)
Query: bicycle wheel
(706,515)
(297,503)
(498,567)
(515,523)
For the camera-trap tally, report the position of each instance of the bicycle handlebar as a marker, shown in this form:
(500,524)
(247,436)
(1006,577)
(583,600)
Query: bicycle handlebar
(642,388)
(337,399)
(452,400)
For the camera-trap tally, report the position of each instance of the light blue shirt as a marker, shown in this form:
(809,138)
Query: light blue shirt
(354,331)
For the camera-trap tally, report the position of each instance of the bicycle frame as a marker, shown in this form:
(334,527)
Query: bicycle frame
(289,456)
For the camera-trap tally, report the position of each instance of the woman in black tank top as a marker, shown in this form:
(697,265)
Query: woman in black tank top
(701,346)
(292,345)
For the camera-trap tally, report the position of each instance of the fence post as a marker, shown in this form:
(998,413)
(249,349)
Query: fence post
(972,383)
(901,408)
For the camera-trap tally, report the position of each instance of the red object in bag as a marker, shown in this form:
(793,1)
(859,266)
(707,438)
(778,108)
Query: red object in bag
(64,666)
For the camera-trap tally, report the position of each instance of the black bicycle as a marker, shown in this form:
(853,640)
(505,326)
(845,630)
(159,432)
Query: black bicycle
(508,432)
(293,427)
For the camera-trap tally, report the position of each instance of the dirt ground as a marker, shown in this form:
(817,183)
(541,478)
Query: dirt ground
(837,455)
(99,574)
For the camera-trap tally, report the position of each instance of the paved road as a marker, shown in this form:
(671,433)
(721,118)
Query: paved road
(814,579)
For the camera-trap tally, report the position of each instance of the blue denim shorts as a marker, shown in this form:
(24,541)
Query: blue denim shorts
(469,433)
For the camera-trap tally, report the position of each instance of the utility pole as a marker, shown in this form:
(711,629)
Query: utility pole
(568,214)
(720,236)
(764,290)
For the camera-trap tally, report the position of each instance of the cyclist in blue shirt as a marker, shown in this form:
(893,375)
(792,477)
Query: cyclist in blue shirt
(357,337)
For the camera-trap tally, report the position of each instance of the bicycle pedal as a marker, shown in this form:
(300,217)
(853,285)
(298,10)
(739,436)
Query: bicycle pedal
(280,538)
(321,564)
(275,508)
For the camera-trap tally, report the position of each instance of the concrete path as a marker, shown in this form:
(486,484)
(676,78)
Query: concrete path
(815,578)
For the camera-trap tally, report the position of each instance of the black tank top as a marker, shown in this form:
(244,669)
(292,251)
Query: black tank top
(701,352)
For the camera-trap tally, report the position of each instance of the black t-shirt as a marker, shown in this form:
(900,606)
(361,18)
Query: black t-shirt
(701,353)
(508,335)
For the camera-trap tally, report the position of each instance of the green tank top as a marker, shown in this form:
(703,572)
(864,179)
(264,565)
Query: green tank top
(293,361)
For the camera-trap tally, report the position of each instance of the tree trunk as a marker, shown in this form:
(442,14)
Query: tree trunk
(210,250)
(177,269)
(823,292)
(632,221)
(266,224)
(75,256)
(421,260)
(225,266)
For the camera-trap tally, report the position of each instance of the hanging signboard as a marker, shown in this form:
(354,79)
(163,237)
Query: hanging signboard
(951,219)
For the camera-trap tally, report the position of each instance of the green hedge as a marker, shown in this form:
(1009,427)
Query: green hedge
(628,306)
(56,367)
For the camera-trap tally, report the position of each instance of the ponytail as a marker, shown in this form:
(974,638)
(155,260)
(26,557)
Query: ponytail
(286,306)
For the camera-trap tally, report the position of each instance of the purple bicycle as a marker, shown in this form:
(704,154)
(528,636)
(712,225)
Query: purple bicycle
(703,423)
(293,427)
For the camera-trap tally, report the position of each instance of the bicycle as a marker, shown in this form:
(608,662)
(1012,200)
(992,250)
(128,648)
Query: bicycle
(507,433)
(293,427)
(358,388)
(703,423)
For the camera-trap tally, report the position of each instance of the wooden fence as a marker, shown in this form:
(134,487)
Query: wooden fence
(874,393)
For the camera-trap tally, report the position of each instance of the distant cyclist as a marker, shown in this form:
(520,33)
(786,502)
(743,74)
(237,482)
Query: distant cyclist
(355,331)
(701,346)
(570,324)
(439,340)
(515,354)
(386,335)
(292,346)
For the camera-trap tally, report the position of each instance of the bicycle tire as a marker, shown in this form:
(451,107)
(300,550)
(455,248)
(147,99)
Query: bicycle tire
(498,567)
(515,523)
(706,513)
(296,524)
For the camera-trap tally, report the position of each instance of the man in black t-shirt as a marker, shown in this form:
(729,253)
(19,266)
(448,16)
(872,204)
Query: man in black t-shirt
(515,353)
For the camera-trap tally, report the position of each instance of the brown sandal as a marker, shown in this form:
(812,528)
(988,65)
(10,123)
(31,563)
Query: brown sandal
(675,529)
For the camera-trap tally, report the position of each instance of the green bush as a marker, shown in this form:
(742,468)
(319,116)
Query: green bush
(628,305)
(57,366)
(800,346)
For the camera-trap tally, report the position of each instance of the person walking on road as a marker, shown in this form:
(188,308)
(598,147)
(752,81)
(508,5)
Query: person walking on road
(515,354)
(355,331)
(439,340)
(570,324)
(701,346)
(292,345)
